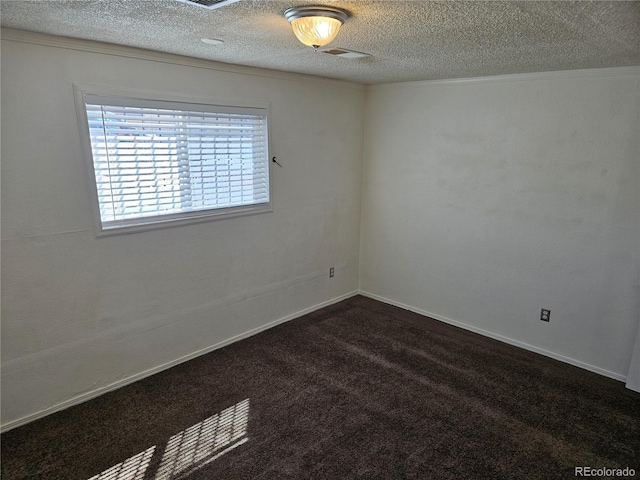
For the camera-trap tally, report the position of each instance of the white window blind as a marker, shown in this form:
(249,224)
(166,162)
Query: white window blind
(158,161)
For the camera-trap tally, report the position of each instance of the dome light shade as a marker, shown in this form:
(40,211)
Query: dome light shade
(315,26)
(316,31)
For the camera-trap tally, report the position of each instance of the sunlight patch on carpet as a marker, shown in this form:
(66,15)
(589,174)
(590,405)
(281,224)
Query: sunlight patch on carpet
(188,450)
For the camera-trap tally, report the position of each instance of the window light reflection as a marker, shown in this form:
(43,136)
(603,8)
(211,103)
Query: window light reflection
(188,450)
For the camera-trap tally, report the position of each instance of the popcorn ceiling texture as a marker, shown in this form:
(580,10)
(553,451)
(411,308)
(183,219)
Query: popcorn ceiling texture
(408,40)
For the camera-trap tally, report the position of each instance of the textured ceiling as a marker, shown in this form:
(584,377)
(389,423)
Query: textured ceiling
(408,40)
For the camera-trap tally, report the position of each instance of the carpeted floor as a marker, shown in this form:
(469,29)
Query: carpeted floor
(359,389)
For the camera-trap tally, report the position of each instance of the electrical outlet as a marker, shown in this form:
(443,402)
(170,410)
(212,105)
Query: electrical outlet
(545,315)
(331,272)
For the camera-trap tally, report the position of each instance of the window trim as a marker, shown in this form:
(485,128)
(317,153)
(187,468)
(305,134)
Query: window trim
(170,220)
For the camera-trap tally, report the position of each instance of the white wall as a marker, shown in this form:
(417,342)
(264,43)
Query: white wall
(486,200)
(80,313)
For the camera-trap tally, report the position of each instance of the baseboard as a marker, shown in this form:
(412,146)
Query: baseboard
(501,338)
(147,373)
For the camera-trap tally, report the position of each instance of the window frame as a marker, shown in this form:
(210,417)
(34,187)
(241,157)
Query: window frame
(169,220)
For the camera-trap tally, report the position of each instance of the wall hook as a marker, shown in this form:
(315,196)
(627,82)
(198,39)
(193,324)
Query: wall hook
(275,160)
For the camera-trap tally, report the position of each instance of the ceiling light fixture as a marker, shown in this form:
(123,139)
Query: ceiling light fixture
(316,26)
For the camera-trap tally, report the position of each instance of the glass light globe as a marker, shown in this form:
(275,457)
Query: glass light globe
(316,31)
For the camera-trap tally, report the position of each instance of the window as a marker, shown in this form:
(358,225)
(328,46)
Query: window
(158,162)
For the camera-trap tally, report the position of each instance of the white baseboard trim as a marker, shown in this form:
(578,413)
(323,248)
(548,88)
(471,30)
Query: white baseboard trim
(147,373)
(495,336)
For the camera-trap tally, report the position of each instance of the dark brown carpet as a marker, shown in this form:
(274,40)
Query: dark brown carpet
(356,390)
